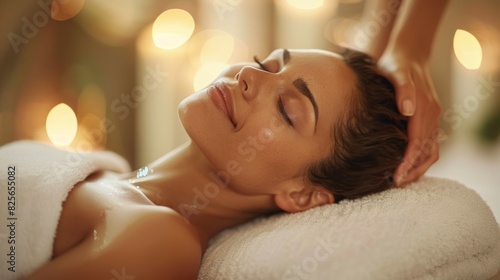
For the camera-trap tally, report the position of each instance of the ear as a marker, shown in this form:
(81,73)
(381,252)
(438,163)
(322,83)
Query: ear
(299,196)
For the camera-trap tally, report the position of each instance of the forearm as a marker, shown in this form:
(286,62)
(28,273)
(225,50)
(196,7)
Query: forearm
(375,26)
(415,27)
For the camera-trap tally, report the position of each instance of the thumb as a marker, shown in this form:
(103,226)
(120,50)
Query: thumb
(405,92)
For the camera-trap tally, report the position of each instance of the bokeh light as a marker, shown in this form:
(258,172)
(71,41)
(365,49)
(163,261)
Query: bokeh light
(61,125)
(212,50)
(467,49)
(341,31)
(172,29)
(228,48)
(306,4)
(207,73)
(218,48)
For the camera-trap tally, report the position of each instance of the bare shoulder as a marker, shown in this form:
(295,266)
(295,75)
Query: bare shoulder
(157,243)
(168,229)
(162,240)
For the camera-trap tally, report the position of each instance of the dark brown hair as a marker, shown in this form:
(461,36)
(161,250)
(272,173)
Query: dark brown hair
(370,140)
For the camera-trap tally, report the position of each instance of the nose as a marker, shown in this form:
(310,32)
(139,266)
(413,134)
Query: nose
(248,80)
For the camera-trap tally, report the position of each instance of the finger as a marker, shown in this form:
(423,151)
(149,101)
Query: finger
(419,146)
(419,170)
(399,177)
(404,86)
(406,177)
(410,159)
(420,165)
(416,152)
(405,92)
(410,177)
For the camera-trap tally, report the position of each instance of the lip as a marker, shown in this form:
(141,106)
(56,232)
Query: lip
(221,97)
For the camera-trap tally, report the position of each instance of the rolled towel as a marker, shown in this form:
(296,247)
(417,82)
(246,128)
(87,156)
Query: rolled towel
(432,229)
(35,179)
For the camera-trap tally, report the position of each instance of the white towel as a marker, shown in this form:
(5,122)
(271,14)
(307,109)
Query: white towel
(432,229)
(43,176)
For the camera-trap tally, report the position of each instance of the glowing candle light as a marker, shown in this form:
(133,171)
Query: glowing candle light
(61,125)
(306,4)
(467,49)
(305,17)
(465,82)
(172,29)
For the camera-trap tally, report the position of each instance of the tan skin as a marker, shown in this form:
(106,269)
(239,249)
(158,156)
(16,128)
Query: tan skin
(117,222)
(402,48)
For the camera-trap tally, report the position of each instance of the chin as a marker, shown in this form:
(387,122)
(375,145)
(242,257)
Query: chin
(202,123)
(191,111)
(183,108)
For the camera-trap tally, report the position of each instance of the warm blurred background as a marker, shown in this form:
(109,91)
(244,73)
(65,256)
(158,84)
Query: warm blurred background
(90,74)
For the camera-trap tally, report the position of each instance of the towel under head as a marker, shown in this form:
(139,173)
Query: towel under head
(432,229)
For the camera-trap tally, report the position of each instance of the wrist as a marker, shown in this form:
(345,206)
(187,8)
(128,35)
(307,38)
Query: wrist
(405,47)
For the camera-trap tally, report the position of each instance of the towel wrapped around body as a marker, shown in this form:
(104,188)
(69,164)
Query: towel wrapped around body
(35,179)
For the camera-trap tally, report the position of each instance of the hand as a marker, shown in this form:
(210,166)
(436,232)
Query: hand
(416,98)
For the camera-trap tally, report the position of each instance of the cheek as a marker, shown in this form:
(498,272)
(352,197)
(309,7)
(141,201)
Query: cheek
(257,139)
(264,157)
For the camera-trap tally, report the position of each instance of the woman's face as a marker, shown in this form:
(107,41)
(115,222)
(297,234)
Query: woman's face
(261,128)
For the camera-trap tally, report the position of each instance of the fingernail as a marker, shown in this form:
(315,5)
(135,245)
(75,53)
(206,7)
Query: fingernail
(408,108)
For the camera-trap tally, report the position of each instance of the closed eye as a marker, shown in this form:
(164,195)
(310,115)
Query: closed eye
(260,64)
(283,112)
(281,107)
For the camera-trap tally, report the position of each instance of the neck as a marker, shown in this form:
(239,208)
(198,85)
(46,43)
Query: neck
(185,181)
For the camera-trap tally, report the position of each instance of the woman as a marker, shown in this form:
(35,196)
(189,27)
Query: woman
(300,129)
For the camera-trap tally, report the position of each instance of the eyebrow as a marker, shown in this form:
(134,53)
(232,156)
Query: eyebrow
(301,85)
